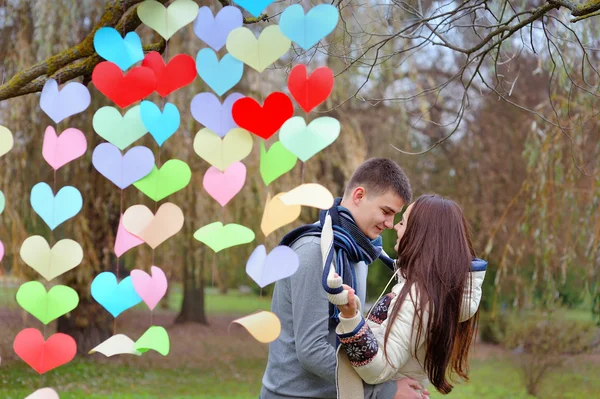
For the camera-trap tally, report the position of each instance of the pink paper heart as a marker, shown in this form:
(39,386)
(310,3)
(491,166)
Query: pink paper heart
(1,251)
(60,150)
(150,288)
(125,240)
(223,186)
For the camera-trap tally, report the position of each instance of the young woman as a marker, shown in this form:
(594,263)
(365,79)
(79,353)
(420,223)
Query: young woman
(422,329)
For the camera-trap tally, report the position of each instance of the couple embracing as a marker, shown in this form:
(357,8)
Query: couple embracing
(417,334)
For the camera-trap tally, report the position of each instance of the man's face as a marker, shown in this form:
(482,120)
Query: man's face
(375,213)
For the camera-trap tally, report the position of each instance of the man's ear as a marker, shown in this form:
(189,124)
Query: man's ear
(358,194)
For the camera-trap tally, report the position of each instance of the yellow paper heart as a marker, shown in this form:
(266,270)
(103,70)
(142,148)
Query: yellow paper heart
(258,54)
(153,229)
(50,263)
(167,21)
(6,140)
(277,214)
(310,194)
(264,326)
(221,153)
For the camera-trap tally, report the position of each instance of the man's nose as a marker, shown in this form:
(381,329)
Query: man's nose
(389,222)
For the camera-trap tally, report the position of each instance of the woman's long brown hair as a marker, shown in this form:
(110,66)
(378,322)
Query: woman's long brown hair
(435,255)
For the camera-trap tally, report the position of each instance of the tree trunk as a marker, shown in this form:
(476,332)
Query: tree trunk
(89,324)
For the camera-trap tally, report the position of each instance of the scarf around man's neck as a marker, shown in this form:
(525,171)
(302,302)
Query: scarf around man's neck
(350,245)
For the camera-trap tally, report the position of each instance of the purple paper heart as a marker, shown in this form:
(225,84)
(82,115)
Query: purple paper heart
(122,170)
(58,105)
(214,30)
(265,269)
(208,110)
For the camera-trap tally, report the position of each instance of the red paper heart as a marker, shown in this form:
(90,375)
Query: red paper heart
(123,90)
(179,72)
(43,356)
(310,91)
(263,121)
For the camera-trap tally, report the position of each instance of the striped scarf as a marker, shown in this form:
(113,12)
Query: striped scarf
(350,245)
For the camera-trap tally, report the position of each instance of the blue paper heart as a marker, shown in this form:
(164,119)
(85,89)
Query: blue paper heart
(254,7)
(122,51)
(55,210)
(219,75)
(307,30)
(160,125)
(115,298)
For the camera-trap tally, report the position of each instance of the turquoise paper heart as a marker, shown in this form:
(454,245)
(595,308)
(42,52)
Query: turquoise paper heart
(55,210)
(111,46)
(161,125)
(307,30)
(254,7)
(115,298)
(219,75)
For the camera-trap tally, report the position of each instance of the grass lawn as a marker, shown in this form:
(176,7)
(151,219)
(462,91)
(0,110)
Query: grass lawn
(222,361)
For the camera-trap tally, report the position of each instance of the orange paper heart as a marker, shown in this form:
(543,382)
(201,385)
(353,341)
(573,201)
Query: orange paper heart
(153,229)
(277,214)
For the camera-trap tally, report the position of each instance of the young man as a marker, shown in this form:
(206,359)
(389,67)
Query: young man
(302,361)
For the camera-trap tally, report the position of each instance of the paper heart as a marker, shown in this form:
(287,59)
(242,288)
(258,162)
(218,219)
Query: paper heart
(218,237)
(219,75)
(167,21)
(58,105)
(122,170)
(123,90)
(178,73)
(161,125)
(207,109)
(264,326)
(254,7)
(306,141)
(44,393)
(111,46)
(236,146)
(310,91)
(115,298)
(55,210)
(282,262)
(214,30)
(1,251)
(119,344)
(43,356)
(173,176)
(6,140)
(266,120)
(276,162)
(122,131)
(307,30)
(60,150)
(258,54)
(2,202)
(223,186)
(153,229)
(155,338)
(151,288)
(309,194)
(50,263)
(47,306)
(277,214)
(125,240)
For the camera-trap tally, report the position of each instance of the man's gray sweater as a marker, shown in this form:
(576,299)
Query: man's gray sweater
(302,361)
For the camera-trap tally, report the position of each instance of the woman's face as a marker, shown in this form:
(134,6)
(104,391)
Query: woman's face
(400,227)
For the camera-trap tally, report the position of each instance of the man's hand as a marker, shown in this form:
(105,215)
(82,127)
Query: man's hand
(407,388)
(349,310)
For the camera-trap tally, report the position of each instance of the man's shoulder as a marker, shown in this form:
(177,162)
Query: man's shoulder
(307,242)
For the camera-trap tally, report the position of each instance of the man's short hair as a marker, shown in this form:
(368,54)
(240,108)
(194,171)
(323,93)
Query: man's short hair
(378,176)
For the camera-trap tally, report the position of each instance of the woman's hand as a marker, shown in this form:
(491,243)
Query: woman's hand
(349,310)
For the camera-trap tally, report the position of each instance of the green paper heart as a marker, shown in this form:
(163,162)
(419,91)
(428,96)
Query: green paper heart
(155,338)
(173,176)
(47,306)
(219,237)
(276,162)
(121,131)
(167,21)
(305,141)
(2,202)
